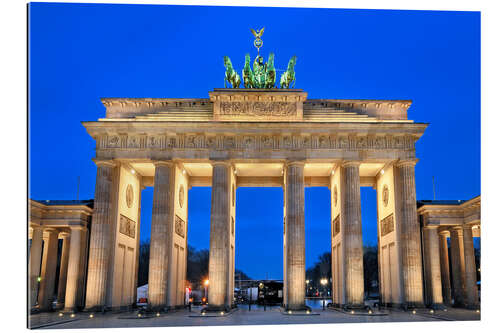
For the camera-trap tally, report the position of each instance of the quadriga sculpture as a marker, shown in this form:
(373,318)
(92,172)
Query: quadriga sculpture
(289,76)
(231,76)
(248,79)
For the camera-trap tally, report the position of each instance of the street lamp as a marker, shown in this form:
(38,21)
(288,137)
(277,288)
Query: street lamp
(323,283)
(205,283)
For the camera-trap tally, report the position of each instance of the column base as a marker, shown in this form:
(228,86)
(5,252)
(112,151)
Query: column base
(97,308)
(437,306)
(296,308)
(216,308)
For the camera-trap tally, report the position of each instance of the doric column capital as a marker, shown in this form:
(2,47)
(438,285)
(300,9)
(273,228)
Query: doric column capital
(444,232)
(77,227)
(226,163)
(104,162)
(430,226)
(35,226)
(294,162)
(408,162)
(64,234)
(458,228)
(169,163)
(350,163)
(50,231)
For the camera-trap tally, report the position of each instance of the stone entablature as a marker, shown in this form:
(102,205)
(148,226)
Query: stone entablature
(200,141)
(60,215)
(453,213)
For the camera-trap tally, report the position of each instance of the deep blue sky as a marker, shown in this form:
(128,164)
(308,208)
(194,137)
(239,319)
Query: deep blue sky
(79,53)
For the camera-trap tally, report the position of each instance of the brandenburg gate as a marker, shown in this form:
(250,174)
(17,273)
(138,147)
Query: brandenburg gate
(251,137)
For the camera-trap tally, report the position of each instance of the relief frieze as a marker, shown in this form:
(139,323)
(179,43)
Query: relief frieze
(255,142)
(256,108)
(127,226)
(387,225)
(179,226)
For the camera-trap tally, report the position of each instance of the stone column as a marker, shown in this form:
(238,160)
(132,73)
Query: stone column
(100,238)
(219,237)
(63,269)
(73,269)
(162,211)
(457,266)
(34,263)
(409,234)
(295,238)
(471,296)
(445,267)
(49,267)
(352,237)
(432,266)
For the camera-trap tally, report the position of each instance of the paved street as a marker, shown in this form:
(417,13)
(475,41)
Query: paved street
(242,316)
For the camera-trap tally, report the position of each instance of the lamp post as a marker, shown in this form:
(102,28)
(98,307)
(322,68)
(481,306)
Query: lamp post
(205,283)
(323,283)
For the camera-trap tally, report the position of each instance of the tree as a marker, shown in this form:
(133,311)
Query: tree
(142,278)
(370,269)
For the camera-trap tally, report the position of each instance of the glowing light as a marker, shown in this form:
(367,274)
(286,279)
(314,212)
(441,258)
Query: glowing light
(39,278)
(382,172)
(72,315)
(307,281)
(324,281)
(203,313)
(139,315)
(133,171)
(352,311)
(183,171)
(333,172)
(414,311)
(308,312)
(222,313)
(431,311)
(60,314)
(478,311)
(91,316)
(206,282)
(370,311)
(289,312)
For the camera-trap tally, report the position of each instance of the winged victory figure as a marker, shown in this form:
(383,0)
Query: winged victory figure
(257,33)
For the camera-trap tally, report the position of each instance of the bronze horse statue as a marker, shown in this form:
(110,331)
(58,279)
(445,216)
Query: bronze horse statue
(289,76)
(270,72)
(247,74)
(231,76)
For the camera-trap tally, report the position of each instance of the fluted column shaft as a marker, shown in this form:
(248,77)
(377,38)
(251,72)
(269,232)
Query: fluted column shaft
(100,237)
(445,267)
(49,267)
(74,260)
(218,267)
(34,263)
(410,250)
(352,236)
(433,265)
(162,212)
(457,266)
(63,269)
(471,296)
(295,243)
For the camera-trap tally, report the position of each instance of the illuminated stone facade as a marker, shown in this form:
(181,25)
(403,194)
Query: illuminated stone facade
(238,138)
